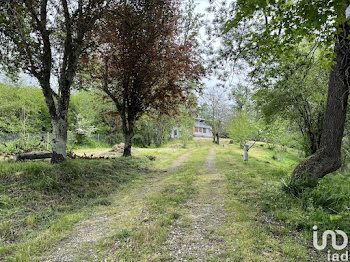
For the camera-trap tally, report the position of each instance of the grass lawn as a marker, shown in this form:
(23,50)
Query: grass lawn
(127,209)
(40,203)
(262,209)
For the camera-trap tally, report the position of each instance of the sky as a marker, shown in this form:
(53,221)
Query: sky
(211,80)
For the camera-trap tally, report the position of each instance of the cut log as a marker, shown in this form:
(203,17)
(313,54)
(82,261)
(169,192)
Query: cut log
(32,156)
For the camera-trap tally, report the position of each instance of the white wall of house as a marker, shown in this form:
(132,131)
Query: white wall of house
(201,129)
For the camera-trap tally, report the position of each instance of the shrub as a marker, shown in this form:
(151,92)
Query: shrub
(34,143)
(138,140)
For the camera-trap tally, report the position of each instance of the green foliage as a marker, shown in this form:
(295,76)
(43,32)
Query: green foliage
(330,194)
(23,110)
(297,207)
(243,128)
(138,140)
(93,109)
(25,143)
(296,91)
(82,130)
(154,129)
(92,120)
(279,132)
(324,204)
(297,187)
(286,54)
(186,128)
(241,94)
(285,24)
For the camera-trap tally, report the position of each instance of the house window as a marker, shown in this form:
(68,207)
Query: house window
(200,130)
(196,129)
(175,132)
(204,130)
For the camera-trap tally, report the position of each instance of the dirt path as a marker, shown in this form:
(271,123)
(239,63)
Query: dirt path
(199,239)
(87,233)
(147,222)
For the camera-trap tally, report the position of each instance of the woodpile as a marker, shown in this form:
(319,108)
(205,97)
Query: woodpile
(118,148)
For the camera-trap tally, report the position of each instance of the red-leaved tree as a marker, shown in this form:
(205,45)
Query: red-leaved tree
(143,62)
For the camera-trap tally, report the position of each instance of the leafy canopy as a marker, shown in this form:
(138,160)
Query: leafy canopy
(273,28)
(243,128)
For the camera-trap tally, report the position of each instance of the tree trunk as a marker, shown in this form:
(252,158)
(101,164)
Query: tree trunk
(59,140)
(128,131)
(246,149)
(127,144)
(327,158)
(312,141)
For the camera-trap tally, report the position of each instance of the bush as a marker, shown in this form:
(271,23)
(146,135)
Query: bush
(324,203)
(34,143)
(297,187)
(138,140)
(271,147)
(116,138)
(82,130)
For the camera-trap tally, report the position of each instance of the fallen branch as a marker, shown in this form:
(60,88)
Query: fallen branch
(32,156)
(44,155)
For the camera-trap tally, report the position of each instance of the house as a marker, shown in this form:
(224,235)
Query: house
(200,129)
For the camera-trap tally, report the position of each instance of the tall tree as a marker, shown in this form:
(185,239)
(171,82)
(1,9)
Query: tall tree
(144,64)
(45,40)
(216,111)
(283,25)
(243,128)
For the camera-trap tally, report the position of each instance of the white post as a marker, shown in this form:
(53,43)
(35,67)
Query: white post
(246,148)
(98,138)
